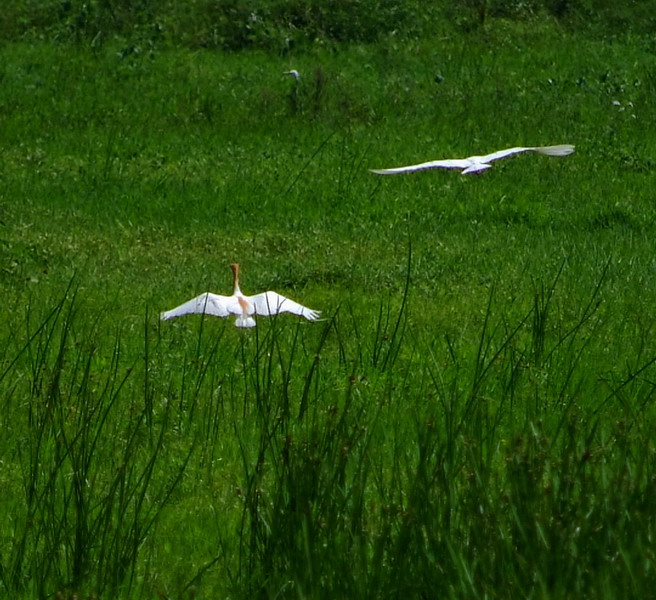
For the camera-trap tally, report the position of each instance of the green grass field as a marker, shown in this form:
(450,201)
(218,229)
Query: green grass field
(474,416)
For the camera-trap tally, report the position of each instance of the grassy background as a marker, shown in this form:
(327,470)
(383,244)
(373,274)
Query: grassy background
(473,418)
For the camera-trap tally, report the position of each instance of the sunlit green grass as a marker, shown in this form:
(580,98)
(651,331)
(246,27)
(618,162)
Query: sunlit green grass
(472,418)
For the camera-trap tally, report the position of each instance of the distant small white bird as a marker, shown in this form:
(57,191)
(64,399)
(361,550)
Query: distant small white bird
(294,73)
(294,99)
(265,304)
(474,164)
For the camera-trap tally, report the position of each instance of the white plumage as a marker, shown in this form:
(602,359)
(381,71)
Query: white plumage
(474,164)
(244,307)
(294,73)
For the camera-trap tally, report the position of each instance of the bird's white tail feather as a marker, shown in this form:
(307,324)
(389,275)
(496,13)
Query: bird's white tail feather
(560,150)
(245,321)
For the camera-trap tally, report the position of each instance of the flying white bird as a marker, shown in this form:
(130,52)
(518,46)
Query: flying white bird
(474,164)
(265,304)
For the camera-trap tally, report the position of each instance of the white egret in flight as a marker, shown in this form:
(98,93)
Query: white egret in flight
(244,307)
(474,164)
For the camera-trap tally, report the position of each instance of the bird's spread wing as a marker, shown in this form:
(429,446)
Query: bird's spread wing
(272,303)
(449,163)
(207,303)
(503,153)
(560,150)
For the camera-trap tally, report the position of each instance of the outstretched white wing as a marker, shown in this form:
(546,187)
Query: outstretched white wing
(272,303)
(450,163)
(207,303)
(560,150)
(503,153)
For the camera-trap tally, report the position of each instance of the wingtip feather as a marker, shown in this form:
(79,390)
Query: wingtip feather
(559,150)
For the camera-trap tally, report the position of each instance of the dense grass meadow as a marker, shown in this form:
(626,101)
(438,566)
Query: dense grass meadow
(474,417)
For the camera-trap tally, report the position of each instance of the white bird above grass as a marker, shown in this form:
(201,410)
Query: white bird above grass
(475,164)
(244,307)
(294,73)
